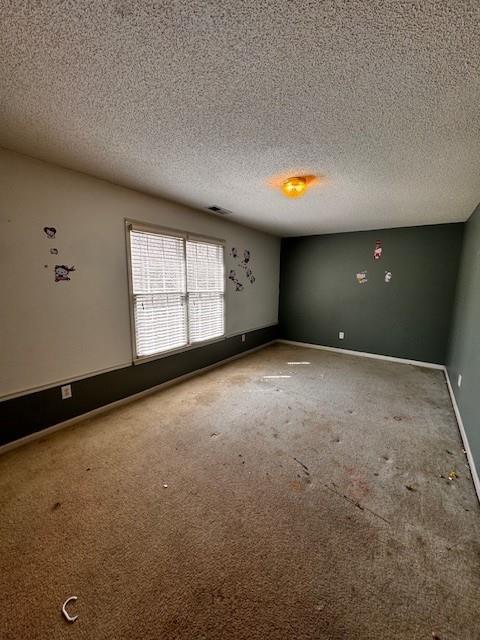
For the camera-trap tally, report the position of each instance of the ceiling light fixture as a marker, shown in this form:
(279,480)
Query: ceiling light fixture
(294,187)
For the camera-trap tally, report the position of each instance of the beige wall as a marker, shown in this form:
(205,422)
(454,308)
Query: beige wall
(51,331)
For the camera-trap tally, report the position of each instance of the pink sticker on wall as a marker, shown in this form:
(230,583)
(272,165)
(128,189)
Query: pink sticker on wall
(377,254)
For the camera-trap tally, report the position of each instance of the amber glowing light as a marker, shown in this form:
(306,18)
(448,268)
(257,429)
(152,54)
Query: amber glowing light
(294,187)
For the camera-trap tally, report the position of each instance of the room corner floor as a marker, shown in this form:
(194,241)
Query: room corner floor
(292,494)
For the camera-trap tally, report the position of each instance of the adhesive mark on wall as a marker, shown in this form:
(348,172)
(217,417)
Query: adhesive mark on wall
(246,258)
(245,264)
(377,253)
(362,277)
(54,252)
(388,276)
(62,272)
(233,277)
(50,232)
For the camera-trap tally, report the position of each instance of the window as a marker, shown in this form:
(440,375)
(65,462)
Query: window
(177,286)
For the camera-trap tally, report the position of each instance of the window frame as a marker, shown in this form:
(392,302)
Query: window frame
(136,225)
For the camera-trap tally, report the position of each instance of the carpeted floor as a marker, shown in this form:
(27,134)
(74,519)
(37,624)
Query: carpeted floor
(263,500)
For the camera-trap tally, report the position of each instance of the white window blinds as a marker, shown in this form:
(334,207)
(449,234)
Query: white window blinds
(177,287)
(159,292)
(205,285)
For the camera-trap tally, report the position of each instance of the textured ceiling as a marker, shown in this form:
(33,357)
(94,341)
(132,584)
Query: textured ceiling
(209,102)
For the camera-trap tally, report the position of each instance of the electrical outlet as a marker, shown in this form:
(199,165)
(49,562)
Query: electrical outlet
(66,391)
(341,335)
(459,380)
(243,337)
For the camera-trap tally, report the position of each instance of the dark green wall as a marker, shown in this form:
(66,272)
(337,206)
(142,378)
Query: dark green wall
(408,318)
(464,352)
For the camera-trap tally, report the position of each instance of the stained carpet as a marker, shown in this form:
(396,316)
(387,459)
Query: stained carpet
(291,494)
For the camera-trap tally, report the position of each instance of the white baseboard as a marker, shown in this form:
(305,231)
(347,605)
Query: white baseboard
(118,403)
(466,444)
(363,354)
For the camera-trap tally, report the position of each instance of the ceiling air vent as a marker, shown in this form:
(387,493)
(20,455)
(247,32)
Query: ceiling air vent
(218,210)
